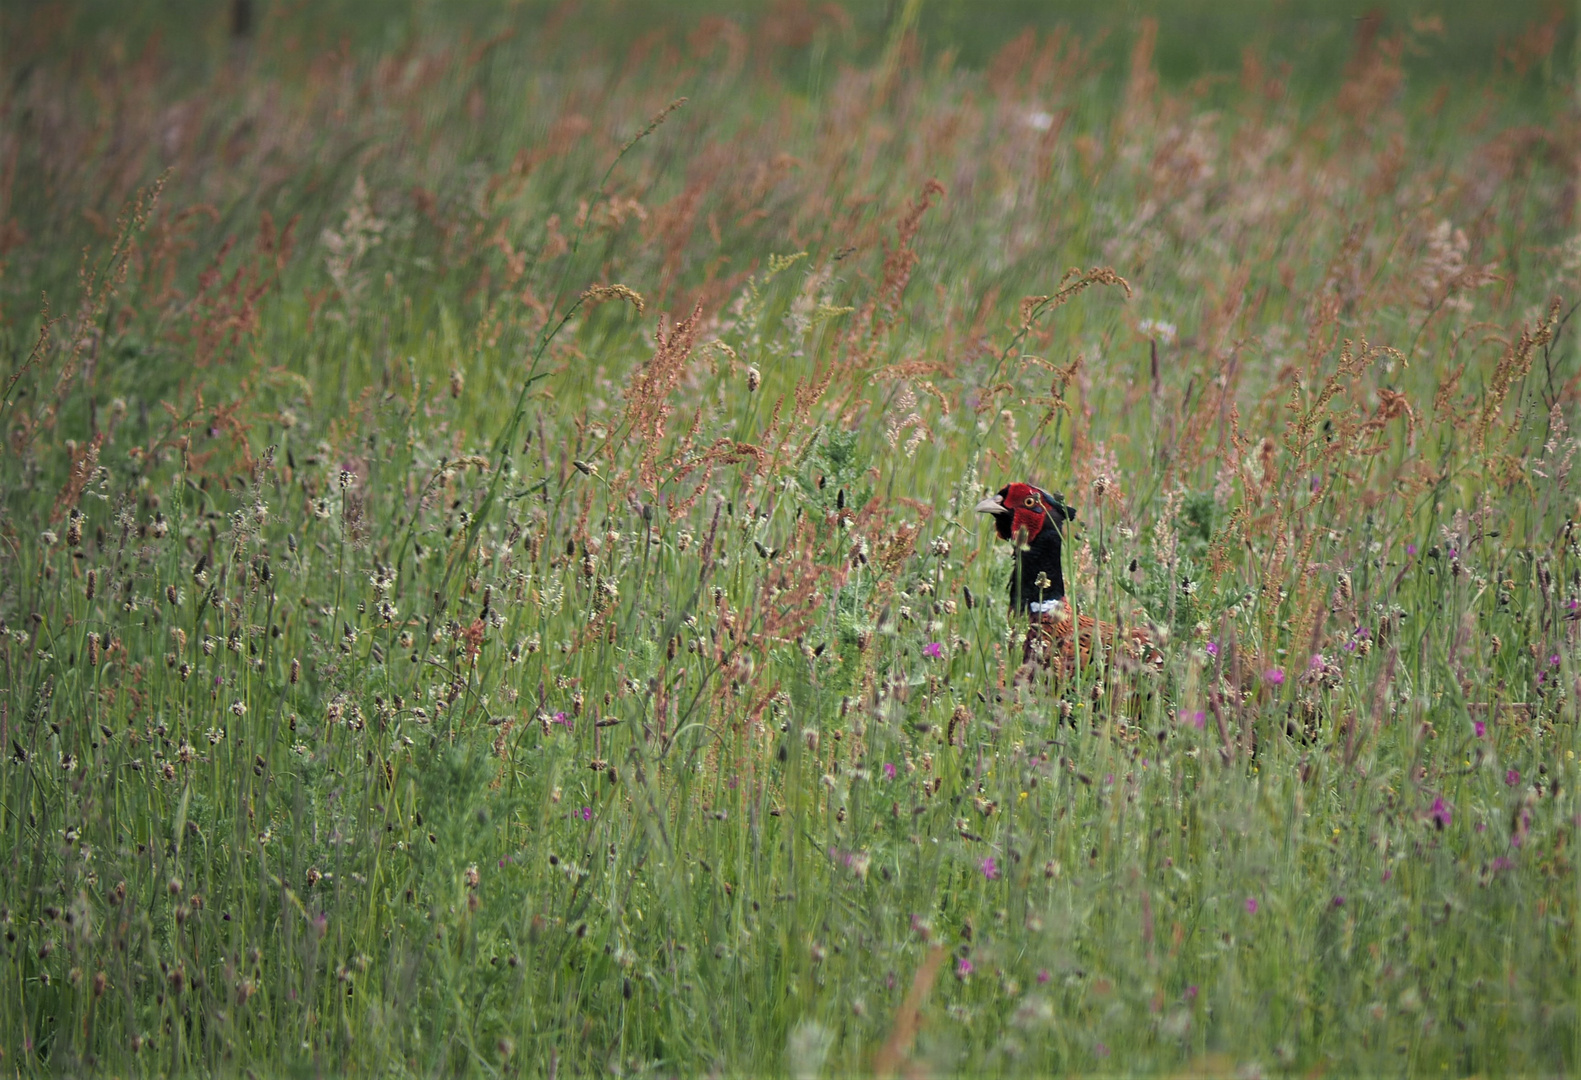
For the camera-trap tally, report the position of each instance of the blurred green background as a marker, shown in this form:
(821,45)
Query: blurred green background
(1196,37)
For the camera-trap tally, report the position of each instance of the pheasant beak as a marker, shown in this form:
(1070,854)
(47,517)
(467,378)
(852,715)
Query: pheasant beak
(992,505)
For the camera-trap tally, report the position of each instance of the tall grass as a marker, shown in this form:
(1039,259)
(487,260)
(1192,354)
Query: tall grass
(489,581)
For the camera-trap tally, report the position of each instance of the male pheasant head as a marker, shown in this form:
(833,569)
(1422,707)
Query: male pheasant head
(1023,511)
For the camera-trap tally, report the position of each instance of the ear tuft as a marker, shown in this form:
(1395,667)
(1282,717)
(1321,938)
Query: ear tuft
(1058,508)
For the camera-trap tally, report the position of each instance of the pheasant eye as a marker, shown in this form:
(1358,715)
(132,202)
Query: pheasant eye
(1031,500)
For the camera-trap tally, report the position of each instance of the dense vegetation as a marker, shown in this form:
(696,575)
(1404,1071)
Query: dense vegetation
(489,581)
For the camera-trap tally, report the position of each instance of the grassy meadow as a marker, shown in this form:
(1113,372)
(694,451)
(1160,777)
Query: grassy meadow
(489,581)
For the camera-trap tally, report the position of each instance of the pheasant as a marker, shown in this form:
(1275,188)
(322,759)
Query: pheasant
(1033,521)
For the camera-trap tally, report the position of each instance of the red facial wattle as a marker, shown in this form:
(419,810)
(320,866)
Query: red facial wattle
(1027,518)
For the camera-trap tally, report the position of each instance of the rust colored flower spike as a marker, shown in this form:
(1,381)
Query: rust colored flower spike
(599,294)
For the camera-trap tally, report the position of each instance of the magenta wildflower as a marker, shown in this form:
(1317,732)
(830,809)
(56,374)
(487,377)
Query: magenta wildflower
(586,812)
(1191,992)
(1101,1050)
(1213,648)
(1199,718)
(989,868)
(1480,728)
(1410,549)
(1512,777)
(1251,905)
(1339,901)
(933,650)
(561,718)
(1275,675)
(1043,976)
(1502,863)
(963,969)
(1440,813)
(889,770)
(1553,661)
